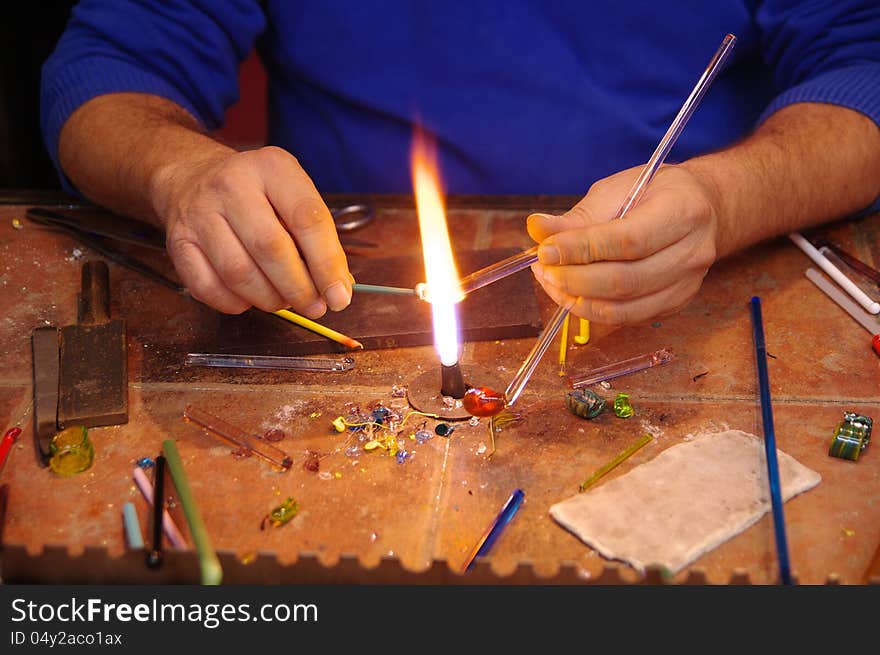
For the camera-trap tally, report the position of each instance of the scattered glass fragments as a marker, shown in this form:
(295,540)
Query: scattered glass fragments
(248,557)
(483,401)
(398,392)
(474,421)
(444,429)
(314,414)
(325,475)
(380,429)
(274,434)
(605,384)
(146,463)
(312,462)
(585,403)
(17,224)
(851,437)
(72,451)
(281,514)
(241,453)
(622,406)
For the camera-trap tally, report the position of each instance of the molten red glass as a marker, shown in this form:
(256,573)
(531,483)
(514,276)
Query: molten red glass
(483,401)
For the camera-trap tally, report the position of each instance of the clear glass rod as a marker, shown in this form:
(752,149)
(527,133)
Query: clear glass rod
(627,366)
(635,194)
(499,270)
(238,437)
(221,360)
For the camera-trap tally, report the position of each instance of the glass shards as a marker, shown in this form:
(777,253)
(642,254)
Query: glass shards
(622,406)
(281,514)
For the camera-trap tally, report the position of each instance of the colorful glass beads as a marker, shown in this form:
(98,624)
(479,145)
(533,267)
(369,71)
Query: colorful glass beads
(585,403)
(281,514)
(444,429)
(483,401)
(622,406)
(851,437)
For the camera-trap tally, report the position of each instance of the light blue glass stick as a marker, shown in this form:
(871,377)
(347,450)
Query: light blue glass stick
(133,533)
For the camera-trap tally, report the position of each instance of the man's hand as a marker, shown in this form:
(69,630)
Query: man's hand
(250,228)
(805,165)
(649,263)
(242,228)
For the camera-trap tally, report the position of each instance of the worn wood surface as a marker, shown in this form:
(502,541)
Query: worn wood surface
(432,508)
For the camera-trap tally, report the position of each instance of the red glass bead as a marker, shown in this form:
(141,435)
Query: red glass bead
(483,401)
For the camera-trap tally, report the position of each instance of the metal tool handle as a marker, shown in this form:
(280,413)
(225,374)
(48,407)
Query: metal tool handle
(94,299)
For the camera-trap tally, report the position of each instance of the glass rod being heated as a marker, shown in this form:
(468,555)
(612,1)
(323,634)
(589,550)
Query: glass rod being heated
(499,270)
(635,194)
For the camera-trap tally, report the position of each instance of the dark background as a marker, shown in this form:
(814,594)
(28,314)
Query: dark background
(27,37)
(28,33)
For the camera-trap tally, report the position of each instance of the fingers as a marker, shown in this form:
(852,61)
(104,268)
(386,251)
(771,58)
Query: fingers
(202,281)
(303,212)
(235,263)
(654,225)
(629,279)
(266,252)
(599,205)
(649,263)
(251,228)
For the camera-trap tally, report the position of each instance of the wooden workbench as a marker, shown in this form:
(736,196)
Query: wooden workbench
(377,520)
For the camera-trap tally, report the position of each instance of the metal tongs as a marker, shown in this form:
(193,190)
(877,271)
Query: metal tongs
(99,230)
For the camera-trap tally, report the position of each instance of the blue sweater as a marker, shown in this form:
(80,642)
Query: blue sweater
(525,96)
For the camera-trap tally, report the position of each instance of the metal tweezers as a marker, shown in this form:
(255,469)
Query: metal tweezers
(98,231)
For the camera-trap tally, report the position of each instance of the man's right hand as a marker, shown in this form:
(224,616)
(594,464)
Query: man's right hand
(249,228)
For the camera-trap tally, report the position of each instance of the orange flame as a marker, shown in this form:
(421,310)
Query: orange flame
(440,272)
